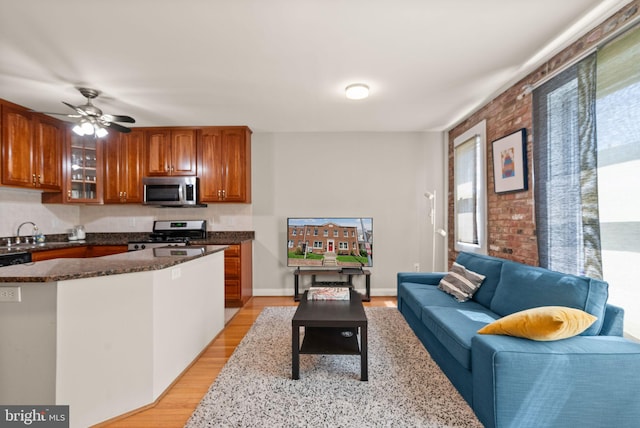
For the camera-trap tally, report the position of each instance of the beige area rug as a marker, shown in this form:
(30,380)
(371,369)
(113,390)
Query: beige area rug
(405,388)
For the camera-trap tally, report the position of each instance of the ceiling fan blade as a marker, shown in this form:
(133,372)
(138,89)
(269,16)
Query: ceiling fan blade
(117,127)
(78,109)
(118,118)
(58,114)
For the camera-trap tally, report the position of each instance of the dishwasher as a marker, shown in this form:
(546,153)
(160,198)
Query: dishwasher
(8,259)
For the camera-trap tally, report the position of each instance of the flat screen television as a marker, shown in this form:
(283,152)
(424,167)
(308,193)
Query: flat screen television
(331,242)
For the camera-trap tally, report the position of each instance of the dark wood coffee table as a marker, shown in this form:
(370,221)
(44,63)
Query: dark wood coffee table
(330,327)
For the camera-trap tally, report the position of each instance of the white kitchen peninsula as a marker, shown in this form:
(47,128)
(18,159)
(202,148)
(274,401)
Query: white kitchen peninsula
(110,334)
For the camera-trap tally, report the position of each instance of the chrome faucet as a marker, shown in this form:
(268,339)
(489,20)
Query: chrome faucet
(18,231)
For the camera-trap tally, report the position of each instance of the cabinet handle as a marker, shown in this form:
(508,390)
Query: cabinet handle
(39,179)
(172,168)
(224,194)
(219,194)
(125,196)
(68,195)
(166,168)
(33,179)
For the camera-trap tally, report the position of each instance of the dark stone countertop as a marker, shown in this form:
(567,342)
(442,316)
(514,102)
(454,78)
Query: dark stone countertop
(60,240)
(70,268)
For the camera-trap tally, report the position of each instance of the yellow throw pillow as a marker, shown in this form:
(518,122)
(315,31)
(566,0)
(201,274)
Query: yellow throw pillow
(543,323)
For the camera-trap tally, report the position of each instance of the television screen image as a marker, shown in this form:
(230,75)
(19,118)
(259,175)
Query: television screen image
(332,242)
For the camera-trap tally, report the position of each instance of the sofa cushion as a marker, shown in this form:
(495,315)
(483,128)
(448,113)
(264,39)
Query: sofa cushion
(543,323)
(455,327)
(416,296)
(461,282)
(488,266)
(524,287)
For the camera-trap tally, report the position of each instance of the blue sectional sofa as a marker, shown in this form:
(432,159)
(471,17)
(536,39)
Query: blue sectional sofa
(590,380)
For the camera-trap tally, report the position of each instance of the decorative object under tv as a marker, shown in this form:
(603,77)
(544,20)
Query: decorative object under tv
(328,293)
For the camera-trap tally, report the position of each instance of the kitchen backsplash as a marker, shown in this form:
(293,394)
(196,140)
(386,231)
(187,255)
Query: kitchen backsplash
(139,218)
(17,206)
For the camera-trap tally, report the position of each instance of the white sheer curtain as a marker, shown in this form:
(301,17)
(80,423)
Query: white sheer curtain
(618,131)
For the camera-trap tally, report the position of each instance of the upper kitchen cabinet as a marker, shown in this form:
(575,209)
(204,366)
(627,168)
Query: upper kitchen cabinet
(124,167)
(171,151)
(84,178)
(82,171)
(32,147)
(224,164)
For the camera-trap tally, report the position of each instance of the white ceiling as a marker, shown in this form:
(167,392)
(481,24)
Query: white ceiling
(282,65)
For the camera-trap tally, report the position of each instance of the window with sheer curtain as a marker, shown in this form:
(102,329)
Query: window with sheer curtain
(470,190)
(587,171)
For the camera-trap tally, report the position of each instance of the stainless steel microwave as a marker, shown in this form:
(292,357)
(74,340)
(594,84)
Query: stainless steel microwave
(171,191)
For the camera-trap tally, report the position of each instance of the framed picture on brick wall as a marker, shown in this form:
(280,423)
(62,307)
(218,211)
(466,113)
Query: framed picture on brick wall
(510,162)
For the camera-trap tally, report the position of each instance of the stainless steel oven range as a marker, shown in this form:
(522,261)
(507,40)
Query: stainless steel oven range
(176,233)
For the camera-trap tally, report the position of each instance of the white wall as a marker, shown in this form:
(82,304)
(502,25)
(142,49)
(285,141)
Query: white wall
(381,175)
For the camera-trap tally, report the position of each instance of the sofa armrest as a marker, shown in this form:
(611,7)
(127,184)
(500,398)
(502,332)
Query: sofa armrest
(581,381)
(613,321)
(429,278)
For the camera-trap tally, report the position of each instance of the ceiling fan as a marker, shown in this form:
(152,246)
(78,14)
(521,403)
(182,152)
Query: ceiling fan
(92,120)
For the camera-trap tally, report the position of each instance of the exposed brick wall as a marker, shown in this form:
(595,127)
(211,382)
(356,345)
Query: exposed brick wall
(511,218)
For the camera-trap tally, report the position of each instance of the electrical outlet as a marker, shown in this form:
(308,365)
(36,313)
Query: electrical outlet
(176,273)
(416,267)
(10,294)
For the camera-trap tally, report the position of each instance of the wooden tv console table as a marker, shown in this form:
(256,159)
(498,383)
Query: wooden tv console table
(349,273)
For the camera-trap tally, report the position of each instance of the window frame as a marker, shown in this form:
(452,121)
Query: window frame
(479,130)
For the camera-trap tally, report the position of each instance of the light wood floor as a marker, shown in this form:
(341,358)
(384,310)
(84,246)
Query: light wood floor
(180,400)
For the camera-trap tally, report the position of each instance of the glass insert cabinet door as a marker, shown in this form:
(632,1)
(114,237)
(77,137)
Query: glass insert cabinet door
(83,168)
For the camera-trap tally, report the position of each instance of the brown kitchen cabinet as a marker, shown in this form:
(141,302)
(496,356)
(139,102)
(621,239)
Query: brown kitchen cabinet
(83,251)
(171,151)
(104,250)
(124,167)
(59,253)
(224,164)
(32,147)
(238,277)
(82,171)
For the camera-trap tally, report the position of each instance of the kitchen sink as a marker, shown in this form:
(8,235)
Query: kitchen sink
(30,246)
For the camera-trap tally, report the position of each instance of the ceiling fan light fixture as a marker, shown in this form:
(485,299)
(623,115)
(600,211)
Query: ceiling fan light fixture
(357,91)
(87,128)
(101,132)
(78,130)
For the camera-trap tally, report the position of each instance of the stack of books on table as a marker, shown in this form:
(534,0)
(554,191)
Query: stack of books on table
(328,293)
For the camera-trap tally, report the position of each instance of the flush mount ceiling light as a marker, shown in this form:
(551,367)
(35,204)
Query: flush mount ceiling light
(357,91)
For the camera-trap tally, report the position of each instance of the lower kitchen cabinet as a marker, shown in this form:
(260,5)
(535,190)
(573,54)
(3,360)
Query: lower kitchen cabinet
(59,253)
(78,252)
(238,277)
(104,250)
